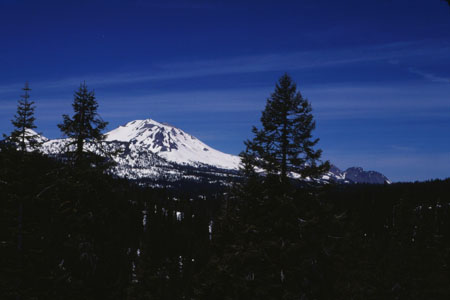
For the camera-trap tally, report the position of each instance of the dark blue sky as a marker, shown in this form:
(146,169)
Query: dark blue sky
(376,72)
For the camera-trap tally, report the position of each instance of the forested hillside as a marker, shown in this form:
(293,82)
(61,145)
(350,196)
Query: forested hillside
(72,230)
(83,235)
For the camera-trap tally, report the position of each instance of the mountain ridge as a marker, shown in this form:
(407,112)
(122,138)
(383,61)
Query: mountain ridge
(150,150)
(172,144)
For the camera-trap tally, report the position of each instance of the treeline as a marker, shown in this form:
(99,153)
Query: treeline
(396,240)
(65,232)
(70,230)
(83,236)
(70,233)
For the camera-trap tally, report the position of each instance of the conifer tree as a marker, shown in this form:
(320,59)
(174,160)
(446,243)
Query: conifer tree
(262,237)
(23,123)
(85,126)
(285,143)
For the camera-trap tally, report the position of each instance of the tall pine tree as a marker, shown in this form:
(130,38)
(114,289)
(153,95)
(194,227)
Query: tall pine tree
(285,143)
(85,126)
(23,135)
(262,241)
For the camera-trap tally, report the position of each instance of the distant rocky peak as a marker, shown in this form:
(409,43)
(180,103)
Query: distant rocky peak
(335,170)
(358,175)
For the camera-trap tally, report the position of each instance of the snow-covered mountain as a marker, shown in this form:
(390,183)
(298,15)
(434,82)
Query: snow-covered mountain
(151,151)
(30,134)
(172,144)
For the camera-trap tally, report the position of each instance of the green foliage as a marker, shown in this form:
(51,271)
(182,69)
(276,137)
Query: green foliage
(285,144)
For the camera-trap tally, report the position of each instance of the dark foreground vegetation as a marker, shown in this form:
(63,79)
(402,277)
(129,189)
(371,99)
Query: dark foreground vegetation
(71,230)
(71,234)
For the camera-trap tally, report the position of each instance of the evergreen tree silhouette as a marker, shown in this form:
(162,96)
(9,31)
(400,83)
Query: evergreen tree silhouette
(285,143)
(270,240)
(85,126)
(23,123)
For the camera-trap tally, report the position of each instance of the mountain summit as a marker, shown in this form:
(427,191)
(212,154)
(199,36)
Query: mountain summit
(150,151)
(172,144)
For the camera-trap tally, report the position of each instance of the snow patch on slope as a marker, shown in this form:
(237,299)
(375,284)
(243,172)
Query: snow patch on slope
(172,144)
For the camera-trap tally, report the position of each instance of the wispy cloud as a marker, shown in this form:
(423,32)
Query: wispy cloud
(330,102)
(347,101)
(257,63)
(403,148)
(220,100)
(339,101)
(429,76)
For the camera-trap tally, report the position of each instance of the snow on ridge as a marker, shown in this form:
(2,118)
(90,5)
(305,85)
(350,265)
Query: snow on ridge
(39,137)
(172,144)
(149,149)
(30,133)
